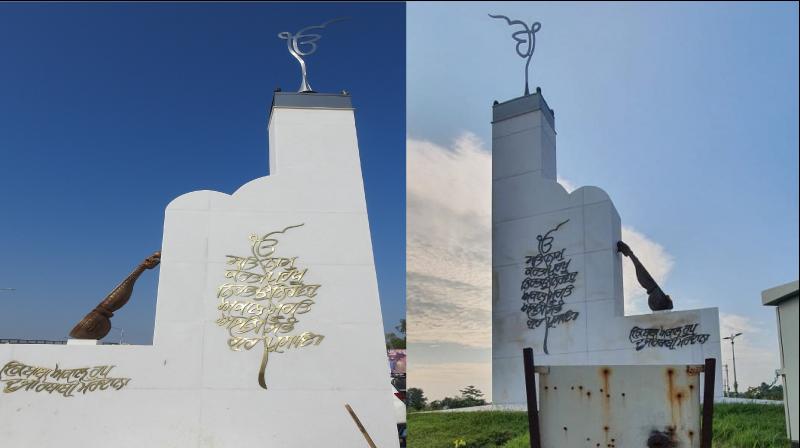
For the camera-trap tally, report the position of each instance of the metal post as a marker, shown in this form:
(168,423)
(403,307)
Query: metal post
(709,371)
(733,352)
(735,382)
(121,334)
(727,387)
(360,426)
(530,394)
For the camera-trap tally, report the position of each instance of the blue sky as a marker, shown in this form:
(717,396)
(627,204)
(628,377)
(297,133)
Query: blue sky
(685,113)
(110,111)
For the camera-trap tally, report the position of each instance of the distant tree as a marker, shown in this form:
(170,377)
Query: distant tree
(472,396)
(395,341)
(401,328)
(453,403)
(416,399)
(765,392)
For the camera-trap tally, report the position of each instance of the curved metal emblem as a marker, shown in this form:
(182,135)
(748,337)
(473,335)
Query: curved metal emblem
(304,43)
(526,41)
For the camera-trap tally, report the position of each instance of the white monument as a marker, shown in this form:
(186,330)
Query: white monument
(267,324)
(557,275)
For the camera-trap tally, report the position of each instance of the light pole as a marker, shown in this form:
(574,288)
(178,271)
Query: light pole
(733,352)
(121,334)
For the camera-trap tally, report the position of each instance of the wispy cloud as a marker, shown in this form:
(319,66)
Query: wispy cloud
(569,186)
(734,323)
(449,242)
(654,257)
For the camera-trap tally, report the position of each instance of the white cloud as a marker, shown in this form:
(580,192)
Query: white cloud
(449,242)
(654,257)
(734,323)
(569,186)
(455,178)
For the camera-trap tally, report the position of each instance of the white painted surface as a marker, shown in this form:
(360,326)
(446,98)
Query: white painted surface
(787,310)
(526,202)
(788,315)
(82,341)
(596,406)
(189,389)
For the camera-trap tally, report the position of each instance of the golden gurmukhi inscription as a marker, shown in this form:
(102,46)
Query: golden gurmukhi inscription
(22,377)
(262,298)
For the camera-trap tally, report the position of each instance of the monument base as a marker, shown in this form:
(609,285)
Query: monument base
(82,342)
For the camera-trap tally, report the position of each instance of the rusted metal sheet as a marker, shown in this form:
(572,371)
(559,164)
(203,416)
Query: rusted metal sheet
(620,406)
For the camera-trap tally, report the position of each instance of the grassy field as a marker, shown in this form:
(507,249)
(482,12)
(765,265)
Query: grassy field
(735,426)
(749,426)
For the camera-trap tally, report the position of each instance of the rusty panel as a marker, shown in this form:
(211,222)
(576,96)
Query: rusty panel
(619,406)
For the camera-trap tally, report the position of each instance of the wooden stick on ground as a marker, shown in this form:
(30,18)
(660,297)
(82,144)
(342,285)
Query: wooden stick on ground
(360,426)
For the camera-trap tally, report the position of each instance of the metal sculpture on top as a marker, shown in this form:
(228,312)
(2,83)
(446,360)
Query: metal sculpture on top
(526,41)
(304,43)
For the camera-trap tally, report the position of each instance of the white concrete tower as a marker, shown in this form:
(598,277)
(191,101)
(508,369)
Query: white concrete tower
(556,273)
(282,267)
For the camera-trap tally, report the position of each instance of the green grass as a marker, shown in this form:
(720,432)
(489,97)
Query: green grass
(749,426)
(735,426)
(476,429)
